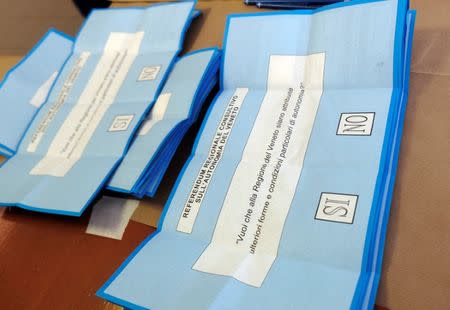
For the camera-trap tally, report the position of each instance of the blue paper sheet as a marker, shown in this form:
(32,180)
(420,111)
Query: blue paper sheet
(26,86)
(284,201)
(118,64)
(191,80)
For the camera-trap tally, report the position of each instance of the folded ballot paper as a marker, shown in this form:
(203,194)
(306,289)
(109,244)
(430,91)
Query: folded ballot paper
(26,86)
(284,201)
(118,64)
(177,107)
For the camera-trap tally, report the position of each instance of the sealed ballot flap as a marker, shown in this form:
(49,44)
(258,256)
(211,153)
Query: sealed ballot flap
(283,203)
(102,94)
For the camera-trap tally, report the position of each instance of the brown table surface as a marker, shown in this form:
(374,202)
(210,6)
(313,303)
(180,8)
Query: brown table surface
(49,262)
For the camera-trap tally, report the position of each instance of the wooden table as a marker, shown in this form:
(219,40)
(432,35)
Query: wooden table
(49,262)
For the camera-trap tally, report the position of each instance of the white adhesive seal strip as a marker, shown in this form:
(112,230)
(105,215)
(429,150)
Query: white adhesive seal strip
(110,217)
(258,200)
(42,92)
(72,138)
(156,114)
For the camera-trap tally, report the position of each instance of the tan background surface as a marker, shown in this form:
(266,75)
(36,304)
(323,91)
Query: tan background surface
(24,22)
(48,261)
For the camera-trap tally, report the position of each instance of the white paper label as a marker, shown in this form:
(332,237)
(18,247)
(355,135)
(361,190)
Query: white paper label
(156,114)
(110,217)
(42,92)
(247,235)
(99,94)
(61,99)
(201,183)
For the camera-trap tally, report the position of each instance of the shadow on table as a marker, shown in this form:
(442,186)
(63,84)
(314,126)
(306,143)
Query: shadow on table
(85,6)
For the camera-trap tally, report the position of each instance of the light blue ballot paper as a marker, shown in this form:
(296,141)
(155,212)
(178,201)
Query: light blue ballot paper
(118,64)
(285,199)
(26,86)
(177,107)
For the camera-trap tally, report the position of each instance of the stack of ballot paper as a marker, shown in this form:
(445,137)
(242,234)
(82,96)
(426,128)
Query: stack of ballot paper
(284,201)
(26,86)
(176,109)
(116,69)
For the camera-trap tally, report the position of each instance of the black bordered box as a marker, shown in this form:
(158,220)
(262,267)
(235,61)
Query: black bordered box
(149,73)
(355,124)
(121,122)
(337,207)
